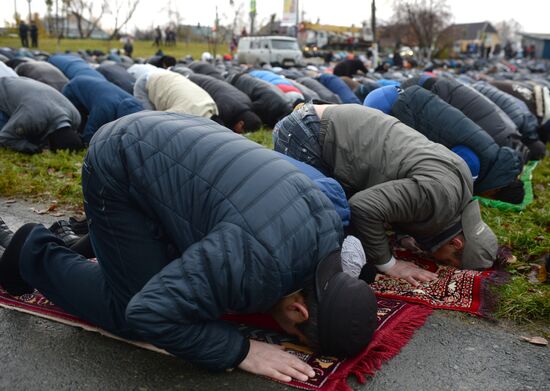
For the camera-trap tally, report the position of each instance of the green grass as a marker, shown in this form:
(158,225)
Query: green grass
(528,234)
(45,177)
(263,136)
(141,48)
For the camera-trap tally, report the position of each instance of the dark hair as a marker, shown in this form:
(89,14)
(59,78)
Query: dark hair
(310,328)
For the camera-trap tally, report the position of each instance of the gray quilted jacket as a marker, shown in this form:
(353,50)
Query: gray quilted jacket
(35,111)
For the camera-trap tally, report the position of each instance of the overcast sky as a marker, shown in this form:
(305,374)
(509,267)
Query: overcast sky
(533,15)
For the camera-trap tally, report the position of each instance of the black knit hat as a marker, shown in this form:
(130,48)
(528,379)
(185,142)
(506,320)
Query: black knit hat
(251,121)
(537,150)
(347,312)
(513,193)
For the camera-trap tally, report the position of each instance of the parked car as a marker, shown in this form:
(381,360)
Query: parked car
(274,50)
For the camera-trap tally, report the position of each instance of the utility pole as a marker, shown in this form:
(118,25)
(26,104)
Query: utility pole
(373,20)
(30,14)
(216,32)
(373,28)
(252,15)
(297,16)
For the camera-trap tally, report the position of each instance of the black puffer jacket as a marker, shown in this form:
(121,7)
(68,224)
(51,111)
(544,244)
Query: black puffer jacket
(231,101)
(444,124)
(44,72)
(349,67)
(206,69)
(479,109)
(35,111)
(323,92)
(267,100)
(250,228)
(119,76)
(516,109)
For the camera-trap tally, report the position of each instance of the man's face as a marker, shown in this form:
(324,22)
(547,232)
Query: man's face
(446,254)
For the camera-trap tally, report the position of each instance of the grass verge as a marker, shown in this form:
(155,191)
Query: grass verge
(49,177)
(141,48)
(46,177)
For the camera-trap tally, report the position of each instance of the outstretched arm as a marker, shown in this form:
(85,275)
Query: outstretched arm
(398,201)
(180,307)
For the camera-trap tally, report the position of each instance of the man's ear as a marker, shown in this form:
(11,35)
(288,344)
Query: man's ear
(297,312)
(457,242)
(239,126)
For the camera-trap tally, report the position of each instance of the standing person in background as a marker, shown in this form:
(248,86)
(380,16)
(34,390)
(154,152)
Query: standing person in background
(397,59)
(24,34)
(34,34)
(158,37)
(532,50)
(128,47)
(328,57)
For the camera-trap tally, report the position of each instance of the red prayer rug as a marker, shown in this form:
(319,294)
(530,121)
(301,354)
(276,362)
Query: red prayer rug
(454,289)
(397,322)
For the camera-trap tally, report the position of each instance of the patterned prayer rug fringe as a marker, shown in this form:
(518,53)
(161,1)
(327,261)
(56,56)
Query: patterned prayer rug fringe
(381,350)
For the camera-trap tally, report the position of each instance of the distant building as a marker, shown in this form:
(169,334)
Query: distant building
(541,42)
(334,37)
(68,27)
(470,37)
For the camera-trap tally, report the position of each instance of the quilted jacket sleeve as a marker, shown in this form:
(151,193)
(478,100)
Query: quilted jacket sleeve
(400,201)
(179,308)
(11,136)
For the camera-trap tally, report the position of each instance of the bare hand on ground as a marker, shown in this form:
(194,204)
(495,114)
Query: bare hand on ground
(411,273)
(272,361)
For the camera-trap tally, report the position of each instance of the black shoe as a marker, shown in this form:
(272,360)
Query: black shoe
(5,234)
(80,227)
(62,229)
(10,276)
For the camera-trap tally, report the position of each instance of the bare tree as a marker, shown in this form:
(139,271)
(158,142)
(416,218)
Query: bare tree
(86,17)
(509,30)
(122,18)
(426,19)
(49,7)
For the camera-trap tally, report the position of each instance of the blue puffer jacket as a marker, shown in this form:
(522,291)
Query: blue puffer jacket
(444,124)
(101,100)
(336,85)
(270,77)
(518,112)
(332,189)
(73,66)
(250,227)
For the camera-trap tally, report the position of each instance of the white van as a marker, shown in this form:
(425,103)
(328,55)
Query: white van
(274,50)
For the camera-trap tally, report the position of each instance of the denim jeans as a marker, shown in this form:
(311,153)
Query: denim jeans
(297,136)
(120,235)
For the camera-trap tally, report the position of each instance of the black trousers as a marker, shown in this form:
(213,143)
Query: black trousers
(126,242)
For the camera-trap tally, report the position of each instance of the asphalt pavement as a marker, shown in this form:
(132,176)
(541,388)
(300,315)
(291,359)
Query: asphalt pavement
(450,352)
